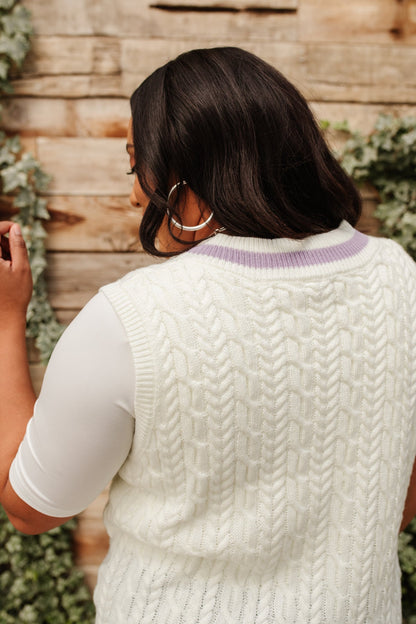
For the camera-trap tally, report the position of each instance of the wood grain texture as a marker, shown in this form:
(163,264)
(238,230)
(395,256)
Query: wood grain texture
(236,5)
(69,86)
(73,278)
(59,117)
(137,18)
(66,315)
(364,72)
(54,17)
(101,117)
(73,55)
(92,224)
(367,223)
(360,116)
(37,372)
(85,166)
(108,117)
(358,21)
(91,539)
(139,57)
(126,83)
(361,64)
(341,72)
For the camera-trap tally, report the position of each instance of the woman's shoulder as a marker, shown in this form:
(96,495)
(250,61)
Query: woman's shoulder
(394,253)
(159,276)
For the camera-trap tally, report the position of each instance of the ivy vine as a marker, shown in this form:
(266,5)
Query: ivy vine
(386,159)
(23,179)
(38,580)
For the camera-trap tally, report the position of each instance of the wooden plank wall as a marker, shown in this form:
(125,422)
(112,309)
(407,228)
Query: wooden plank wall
(351,60)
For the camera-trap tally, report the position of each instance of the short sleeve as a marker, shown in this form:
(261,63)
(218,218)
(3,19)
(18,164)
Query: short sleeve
(83,422)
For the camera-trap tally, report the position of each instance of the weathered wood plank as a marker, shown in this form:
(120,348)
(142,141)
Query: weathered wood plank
(28,144)
(64,18)
(328,72)
(367,222)
(88,86)
(73,55)
(361,64)
(92,224)
(108,117)
(6,209)
(85,166)
(137,18)
(101,117)
(360,116)
(142,56)
(96,117)
(366,21)
(385,94)
(37,372)
(73,278)
(71,86)
(372,73)
(32,117)
(236,5)
(91,539)
(66,315)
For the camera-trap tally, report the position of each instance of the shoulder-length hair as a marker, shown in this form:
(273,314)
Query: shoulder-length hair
(245,141)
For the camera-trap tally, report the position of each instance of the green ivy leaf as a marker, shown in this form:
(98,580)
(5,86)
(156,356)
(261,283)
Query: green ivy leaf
(15,48)
(342,126)
(13,178)
(6,5)
(4,68)
(17,22)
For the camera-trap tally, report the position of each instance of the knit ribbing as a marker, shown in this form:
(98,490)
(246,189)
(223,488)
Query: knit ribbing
(269,470)
(339,250)
(285,259)
(142,355)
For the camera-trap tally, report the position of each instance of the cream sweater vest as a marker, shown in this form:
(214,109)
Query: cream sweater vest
(275,434)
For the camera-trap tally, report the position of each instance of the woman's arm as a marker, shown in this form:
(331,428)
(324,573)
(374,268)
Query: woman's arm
(83,421)
(410,505)
(17,397)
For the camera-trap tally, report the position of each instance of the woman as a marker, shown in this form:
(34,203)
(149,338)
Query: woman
(253,398)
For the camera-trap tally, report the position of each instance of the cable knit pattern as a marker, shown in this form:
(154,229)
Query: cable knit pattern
(275,435)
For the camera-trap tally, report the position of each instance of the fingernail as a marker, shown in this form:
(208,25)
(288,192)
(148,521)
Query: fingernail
(17,230)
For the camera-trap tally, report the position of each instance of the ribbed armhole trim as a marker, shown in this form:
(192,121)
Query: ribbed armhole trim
(142,356)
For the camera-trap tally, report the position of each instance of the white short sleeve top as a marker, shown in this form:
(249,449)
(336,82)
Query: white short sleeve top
(82,427)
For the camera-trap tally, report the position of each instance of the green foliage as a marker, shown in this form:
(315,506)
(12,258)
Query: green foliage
(15,31)
(23,179)
(407,557)
(38,580)
(387,160)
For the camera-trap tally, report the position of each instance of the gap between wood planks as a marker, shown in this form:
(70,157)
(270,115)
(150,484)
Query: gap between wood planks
(182,8)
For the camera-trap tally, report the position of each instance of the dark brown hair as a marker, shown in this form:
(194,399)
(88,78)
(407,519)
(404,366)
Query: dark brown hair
(245,141)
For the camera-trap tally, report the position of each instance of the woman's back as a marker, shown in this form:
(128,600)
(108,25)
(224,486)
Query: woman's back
(274,438)
(266,453)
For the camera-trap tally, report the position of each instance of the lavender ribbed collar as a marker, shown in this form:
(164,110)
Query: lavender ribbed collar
(340,244)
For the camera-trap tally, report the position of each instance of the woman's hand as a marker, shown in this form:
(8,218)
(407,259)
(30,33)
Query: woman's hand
(15,275)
